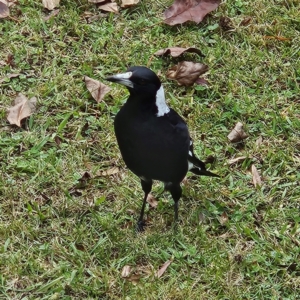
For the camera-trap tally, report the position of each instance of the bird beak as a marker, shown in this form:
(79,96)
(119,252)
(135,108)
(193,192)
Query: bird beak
(123,78)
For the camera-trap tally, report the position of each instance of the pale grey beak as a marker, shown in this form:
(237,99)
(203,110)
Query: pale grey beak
(123,78)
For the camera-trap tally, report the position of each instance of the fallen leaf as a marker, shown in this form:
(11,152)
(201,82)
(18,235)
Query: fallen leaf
(163,268)
(201,81)
(128,3)
(226,23)
(186,72)
(152,201)
(255,176)
(245,21)
(22,109)
(223,218)
(177,51)
(96,1)
(189,10)
(126,271)
(96,88)
(237,134)
(50,4)
(10,60)
(4,10)
(111,171)
(80,247)
(237,159)
(51,15)
(110,7)
(259,141)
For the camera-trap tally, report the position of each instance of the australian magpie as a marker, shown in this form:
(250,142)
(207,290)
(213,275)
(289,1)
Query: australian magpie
(153,139)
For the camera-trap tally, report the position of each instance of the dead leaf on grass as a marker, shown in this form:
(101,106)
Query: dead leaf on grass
(246,21)
(96,1)
(152,201)
(278,38)
(22,109)
(110,7)
(255,176)
(177,51)
(96,88)
(186,72)
(126,271)
(51,15)
(4,10)
(237,134)
(163,268)
(111,171)
(237,159)
(223,218)
(259,141)
(189,10)
(129,3)
(50,4)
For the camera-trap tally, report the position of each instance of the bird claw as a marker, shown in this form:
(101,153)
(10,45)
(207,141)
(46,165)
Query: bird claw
(141,226)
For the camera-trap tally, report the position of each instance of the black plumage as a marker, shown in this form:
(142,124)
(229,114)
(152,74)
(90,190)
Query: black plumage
(153,139)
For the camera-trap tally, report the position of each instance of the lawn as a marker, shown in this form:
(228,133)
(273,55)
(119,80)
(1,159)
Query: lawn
(68,204)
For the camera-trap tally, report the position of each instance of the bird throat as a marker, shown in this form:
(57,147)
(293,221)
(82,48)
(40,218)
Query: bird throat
(160,102)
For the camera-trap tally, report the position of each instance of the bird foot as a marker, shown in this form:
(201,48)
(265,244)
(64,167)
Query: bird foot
(141,224)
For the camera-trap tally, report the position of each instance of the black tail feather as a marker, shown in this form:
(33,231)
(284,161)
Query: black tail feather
(202,172)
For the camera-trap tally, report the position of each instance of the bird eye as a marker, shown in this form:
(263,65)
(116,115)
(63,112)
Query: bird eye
(142,81)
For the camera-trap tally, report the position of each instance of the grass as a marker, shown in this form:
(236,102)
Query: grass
(66,238)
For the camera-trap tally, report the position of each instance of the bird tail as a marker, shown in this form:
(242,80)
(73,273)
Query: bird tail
(201,172)
(196,165)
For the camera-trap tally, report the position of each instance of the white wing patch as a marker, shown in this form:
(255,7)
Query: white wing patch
(162,107)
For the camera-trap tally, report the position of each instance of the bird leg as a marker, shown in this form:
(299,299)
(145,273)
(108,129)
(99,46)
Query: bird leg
(176,192)
(146,186)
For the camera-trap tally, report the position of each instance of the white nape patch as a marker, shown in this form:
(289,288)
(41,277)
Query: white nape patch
(162,107)
(190,165)
(126,75)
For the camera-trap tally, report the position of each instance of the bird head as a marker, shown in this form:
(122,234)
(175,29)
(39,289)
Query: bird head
(145,86)
(138,80)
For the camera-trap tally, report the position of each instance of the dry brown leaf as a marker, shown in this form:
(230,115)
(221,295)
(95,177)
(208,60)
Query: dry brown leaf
(245,21)
(152,201)
(237,134)
(126,271)
(51,15)
(189,10)
(237,159)
(4,10)
(223,218)
(96,88)
(255,176)
(177,51)
(110,7)
(163,269)
(259,141)
(186,72)
(50,4)
(129,3)
(111,171)
(201,81)
(22,109)
(96,1)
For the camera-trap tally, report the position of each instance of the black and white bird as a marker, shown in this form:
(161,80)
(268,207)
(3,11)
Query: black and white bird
(153,139)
